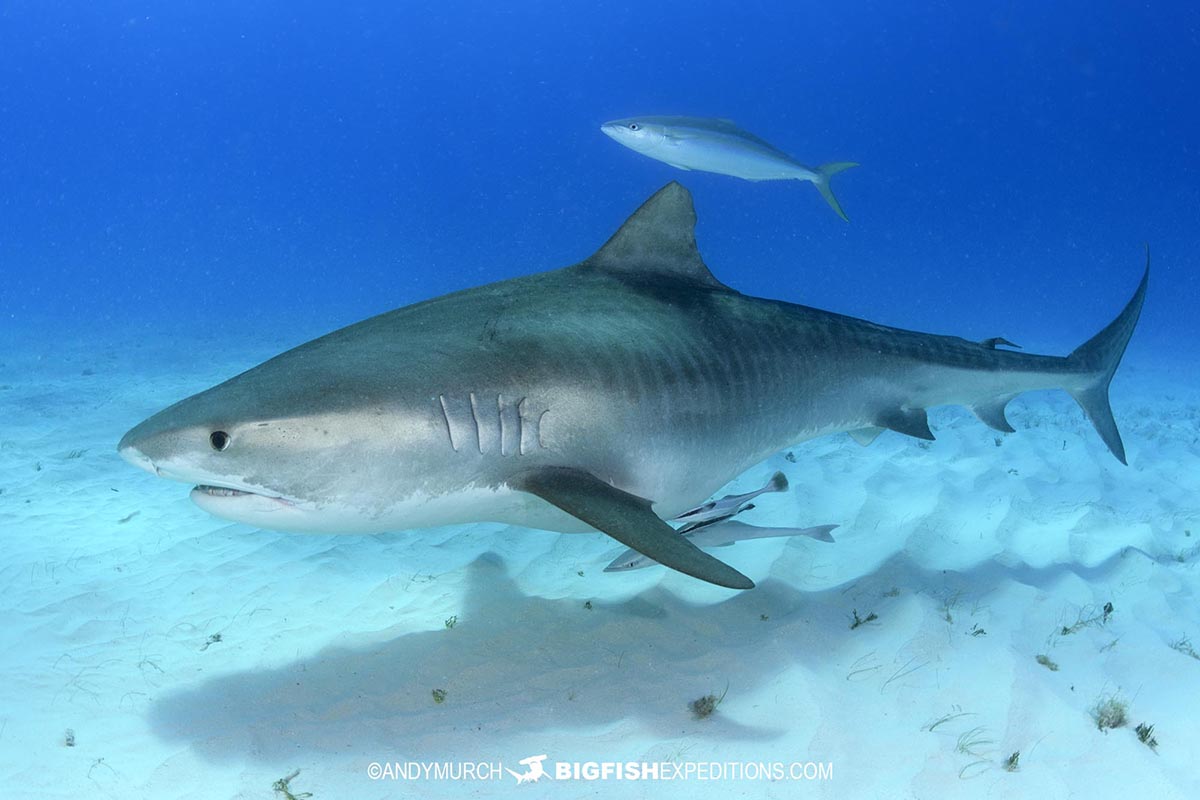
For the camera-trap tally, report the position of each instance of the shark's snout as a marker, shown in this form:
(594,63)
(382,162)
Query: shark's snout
(128,450)
(157,443)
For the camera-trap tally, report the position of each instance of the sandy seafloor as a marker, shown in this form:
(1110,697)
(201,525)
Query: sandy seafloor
(974,552)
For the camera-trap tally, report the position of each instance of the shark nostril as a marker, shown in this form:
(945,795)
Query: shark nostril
(137,458)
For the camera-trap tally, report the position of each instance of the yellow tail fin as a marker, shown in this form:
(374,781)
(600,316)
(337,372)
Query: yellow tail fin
(824,173)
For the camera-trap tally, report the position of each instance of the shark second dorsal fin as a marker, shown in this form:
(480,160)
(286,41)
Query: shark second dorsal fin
(658,238)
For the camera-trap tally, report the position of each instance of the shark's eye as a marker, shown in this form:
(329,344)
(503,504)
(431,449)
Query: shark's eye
(633,126)
(219,440)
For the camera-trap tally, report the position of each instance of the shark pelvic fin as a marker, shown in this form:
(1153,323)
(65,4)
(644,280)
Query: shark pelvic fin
(658,238)
(991,414)
(909,421)
(628,519)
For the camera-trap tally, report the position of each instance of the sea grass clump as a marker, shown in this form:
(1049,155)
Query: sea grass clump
(283,787)
(1110,712)
(857,621)
(1145,734)
(705,706)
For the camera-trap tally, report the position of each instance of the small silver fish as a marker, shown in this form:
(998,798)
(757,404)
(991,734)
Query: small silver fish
(720,534)
(728,506)
(720,146)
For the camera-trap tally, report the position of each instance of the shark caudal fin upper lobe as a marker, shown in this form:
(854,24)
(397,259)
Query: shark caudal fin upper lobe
(821,181)
(1098,357)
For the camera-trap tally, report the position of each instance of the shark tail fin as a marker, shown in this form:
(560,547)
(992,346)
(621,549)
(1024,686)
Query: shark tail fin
(1097,359)
(821,181)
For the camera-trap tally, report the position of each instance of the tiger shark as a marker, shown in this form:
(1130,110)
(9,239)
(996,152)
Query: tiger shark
(610,395)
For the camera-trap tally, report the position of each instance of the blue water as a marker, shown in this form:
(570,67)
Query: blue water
(187,188)
(193,163)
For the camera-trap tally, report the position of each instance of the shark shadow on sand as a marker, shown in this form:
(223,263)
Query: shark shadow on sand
(513,665)
(519,670)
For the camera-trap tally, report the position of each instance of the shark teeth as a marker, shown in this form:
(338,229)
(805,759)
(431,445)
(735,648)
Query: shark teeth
(225,491)
(221,491)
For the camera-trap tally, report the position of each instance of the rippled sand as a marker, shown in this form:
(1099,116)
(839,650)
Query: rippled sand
(191,658)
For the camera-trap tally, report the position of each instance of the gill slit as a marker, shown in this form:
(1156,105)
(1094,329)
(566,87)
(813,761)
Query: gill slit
(475,419)
(500,413)
(446,419)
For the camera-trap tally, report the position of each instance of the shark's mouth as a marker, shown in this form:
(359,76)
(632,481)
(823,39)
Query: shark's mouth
(221,491)
(250,507)
(225,491)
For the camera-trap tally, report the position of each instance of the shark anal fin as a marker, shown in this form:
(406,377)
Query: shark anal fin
(991,414)
(909,421)
(628,519)
(865,436)
(999,341)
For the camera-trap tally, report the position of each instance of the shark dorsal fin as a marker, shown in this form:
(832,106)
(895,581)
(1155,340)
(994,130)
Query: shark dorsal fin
(658,238)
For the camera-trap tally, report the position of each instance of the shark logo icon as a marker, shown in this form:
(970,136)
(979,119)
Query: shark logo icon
(534,770)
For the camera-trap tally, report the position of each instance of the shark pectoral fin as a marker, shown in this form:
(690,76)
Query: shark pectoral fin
(909,421)
(991,414)
(865,436)
(628,519)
